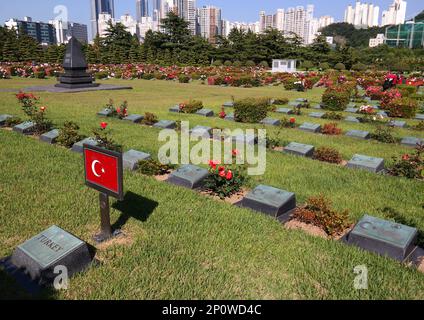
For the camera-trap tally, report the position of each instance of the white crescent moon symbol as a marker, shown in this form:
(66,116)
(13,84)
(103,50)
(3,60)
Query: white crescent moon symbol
(93,168)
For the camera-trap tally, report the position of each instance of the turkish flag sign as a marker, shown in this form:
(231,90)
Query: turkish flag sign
(103,170)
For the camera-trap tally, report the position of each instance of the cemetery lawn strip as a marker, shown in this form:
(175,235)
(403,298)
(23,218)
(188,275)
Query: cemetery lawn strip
(187,246)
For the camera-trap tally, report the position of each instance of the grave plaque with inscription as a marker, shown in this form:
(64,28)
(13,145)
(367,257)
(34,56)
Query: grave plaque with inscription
(26,128)
(175,109)
(352,119)
(310,127)
(50,137)
(269,200)
(411,141)
(384,237)
(366,163)
(131,159)
(205,113)
(365,135)
(3,119)
(317,115)
(134,118)
(105,113)
(165,124)
(299,149)
(397,124)
(189,176)
(271,122)
(284,110)
(201,131)
(79,146)
(53,247)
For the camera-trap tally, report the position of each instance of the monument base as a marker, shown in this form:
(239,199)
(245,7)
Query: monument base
(57,89)
(76,85)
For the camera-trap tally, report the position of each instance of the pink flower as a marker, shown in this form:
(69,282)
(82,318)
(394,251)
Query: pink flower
(229,175)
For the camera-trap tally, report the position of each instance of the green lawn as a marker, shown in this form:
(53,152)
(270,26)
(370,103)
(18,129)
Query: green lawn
(182,245)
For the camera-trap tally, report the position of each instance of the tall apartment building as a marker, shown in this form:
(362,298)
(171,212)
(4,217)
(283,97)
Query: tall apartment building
(396,14)
(325,21)
(210,22)
(100,7)
(363,15)
(103,22)
(187,10)
(43,32)
(65,30)
(130,24)
(142,9)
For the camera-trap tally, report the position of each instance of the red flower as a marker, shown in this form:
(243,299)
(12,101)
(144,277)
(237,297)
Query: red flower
(235,152)
(222,174)
(222,114)
(118,110)
(103,125)
(292,120)
(220,169)
(213,164)
(229,175)
(405,157)
(43,109)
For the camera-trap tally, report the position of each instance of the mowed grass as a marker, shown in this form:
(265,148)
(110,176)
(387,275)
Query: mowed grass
(182,245)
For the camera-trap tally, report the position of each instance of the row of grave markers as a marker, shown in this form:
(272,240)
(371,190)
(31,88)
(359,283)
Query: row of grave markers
(373,234)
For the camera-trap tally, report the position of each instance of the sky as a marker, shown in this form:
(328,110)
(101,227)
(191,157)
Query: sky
(233,10)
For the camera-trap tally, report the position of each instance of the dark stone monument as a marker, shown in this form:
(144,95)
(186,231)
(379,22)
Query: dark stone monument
(188,176)
(3,119)
(250,139)
(299,149)
(301,100)
(26,128)
(75,65)
(50,137)
(228,104)
(351,110)
(317,106)
(384,237)
(366,163)
(53,247)
(269,200)
(131,159)
(105,113)
(383,114)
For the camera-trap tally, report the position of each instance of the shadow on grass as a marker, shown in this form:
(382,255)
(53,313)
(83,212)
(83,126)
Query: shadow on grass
(133,206)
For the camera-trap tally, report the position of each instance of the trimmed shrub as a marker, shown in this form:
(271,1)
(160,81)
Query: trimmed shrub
(250,63)
(410,166)
(407,91)
(237,64)
(217,63)
(149,119)
(13,121)
(333,116)
(307,65)
(69,135)
(402,108)
(182,78)
(340,66)
(324,66)
(264,64)
(359,67)
(152,167)
(384,134)
(191,106)
(335,99)
(327,154)
(331,129)
(251,110)
(228,63)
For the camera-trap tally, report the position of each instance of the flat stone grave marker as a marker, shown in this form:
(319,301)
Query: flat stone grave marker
(205,113)
(300,149)
(365,135)
(301,100)
(201,131)
(271,122)
(26,128)
(134,118)
(189,176)
(397,124)
(269,200)
(284,110)
(245,138)
(383,237)
(3,119)
(310,127)
(131,159)
(295,104)
(228,104)
(352,105)
(383,114)
(175,109)
(50,137)
(317,115)
(79,146)
(352,119)
(351,110)
(230,117)
(317,106)
(53,247)
(419,116)
(165,124)
(366,163)
(411,141)
(105,113)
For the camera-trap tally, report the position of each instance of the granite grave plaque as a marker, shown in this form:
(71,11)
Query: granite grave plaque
(366,163)
(351,110)
(271,122)
(299,149)
(397,124)
(50,137)
(205,113)
(165,124)
(228,104)
(26,128)
(284,110)
(317,115)
(419,116)
(269,200)
(53,247)
(352,119)
(131,159)
(317,106)
(230,117)
(383,114)
(310,127)
(3,119)
(105,113)
(365,135)
(411,141)
(175,109)
(384,237)
(201,131)
(79,146)
(301,100)
(295,104)
(352,105)
(189,176)
(134,118)
(245,138)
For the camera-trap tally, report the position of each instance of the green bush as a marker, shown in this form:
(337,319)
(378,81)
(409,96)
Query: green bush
(335,99)
(250,63)
(251,110)
(13,121)
(407,91)
(217,63)
(101,75)
(359,67)
(340,66)
(307,65)
(69,135)
(152,167)
(149,119)
(228,63)
(402,108)
(40,74)
(384,134)
(148,76)
(324,66)
(182,78)
(237,64)
(191,106)
(264,64)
